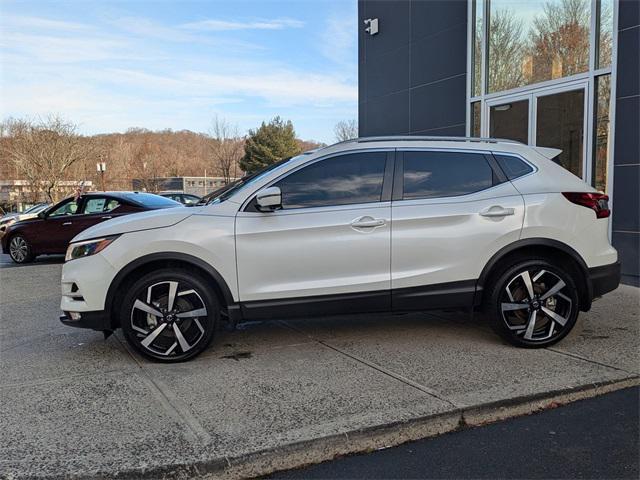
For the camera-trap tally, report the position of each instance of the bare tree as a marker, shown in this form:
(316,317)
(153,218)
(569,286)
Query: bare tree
(226,147)
(506,51)
(346,130)
(559,39)
(43,151)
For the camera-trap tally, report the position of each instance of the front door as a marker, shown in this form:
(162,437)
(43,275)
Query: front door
(330,242)
(51,236)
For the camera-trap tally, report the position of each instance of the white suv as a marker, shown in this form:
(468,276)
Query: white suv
(381,224)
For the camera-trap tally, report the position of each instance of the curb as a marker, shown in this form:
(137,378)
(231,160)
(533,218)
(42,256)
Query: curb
(309,452)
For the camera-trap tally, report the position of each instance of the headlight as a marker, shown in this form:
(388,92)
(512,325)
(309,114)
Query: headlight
(7,222)
(87,248)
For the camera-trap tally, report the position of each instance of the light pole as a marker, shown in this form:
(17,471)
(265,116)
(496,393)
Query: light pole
(101,167)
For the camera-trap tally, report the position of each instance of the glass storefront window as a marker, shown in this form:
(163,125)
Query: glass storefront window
(478,12)
(601,132)
(532,41)
(476,118)
(605,32)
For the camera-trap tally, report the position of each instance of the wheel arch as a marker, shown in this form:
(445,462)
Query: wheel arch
(154,261)
(546,248)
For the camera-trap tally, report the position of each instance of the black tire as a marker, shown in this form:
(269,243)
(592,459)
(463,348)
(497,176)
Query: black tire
(167,334)
(536,322)
(20,249)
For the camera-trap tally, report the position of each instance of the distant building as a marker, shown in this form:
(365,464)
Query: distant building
(17,195)
(194,185)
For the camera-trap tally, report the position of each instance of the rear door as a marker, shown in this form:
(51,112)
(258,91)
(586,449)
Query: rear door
(451,210)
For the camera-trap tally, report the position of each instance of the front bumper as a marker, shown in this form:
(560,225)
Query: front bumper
(604,279)
(93,320)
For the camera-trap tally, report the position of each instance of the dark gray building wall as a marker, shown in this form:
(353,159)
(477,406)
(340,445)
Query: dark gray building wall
(412,74)
(626,169)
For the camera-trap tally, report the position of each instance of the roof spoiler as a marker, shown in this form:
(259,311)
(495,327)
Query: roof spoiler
(549,153)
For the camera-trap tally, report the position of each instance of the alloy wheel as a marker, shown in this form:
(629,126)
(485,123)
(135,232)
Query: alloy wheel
(167,318)
(18,249)
(536,306)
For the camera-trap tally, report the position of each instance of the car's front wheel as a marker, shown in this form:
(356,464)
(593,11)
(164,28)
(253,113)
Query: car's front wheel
(20,250)
(534,304)
(169,315)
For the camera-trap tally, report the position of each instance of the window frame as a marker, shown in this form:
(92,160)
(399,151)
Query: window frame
(398,179)
(249,205)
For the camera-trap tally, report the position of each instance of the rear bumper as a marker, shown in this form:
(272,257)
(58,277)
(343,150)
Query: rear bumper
(604,279)
(93,320)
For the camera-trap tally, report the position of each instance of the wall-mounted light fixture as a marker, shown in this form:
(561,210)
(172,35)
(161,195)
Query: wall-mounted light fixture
(372,26)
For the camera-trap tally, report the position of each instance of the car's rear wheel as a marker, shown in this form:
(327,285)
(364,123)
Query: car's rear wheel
(20,250)
(169,315)
(534,304)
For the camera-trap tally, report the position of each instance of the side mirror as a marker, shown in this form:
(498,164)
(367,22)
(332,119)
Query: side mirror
(42,214)
(269,199)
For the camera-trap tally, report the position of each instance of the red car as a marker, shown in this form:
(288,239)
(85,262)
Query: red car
(53,229)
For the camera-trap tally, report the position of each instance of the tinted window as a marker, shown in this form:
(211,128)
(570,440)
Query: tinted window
(445,174)
(513,167)
(151,200)
(342,180)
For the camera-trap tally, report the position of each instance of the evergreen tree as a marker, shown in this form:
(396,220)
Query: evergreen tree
(271,142)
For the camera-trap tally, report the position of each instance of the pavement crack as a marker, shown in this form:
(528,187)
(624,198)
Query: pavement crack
(589,360)
(375,366)
(174,406)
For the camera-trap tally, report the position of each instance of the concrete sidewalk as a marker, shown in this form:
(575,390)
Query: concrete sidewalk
(275,395)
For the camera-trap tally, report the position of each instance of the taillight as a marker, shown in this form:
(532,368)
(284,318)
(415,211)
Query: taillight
(598,202)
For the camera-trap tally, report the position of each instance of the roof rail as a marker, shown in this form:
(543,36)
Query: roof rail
(423,138)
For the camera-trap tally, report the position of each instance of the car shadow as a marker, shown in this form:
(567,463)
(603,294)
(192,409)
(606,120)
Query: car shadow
(6,262)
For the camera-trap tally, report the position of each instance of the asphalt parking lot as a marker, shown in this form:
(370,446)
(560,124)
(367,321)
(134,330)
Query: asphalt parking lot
(278,394)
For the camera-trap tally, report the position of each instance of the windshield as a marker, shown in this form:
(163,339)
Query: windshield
(225,192)
(36,208)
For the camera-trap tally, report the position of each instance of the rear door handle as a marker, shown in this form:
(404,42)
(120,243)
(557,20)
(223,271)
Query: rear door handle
(367,222)
(106,217)
(497,211)
(67,223)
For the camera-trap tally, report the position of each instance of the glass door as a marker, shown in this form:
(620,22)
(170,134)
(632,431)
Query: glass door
(561,123)
(509,118)
(549,117)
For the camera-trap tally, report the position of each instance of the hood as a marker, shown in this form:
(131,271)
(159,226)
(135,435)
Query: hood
(136,222)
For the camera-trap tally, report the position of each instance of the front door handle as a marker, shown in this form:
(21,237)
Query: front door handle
(106,217)
(497,211)
(67,223)
(368,222)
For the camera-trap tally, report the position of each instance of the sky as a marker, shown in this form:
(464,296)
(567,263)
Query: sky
(111,65)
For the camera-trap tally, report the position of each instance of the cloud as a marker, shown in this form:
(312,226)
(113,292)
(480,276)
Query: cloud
(28,22)
(338,41)
(223,25)
(150,71)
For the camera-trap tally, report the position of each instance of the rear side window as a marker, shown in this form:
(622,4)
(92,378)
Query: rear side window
(513,167)
(342,180)
(445,174)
